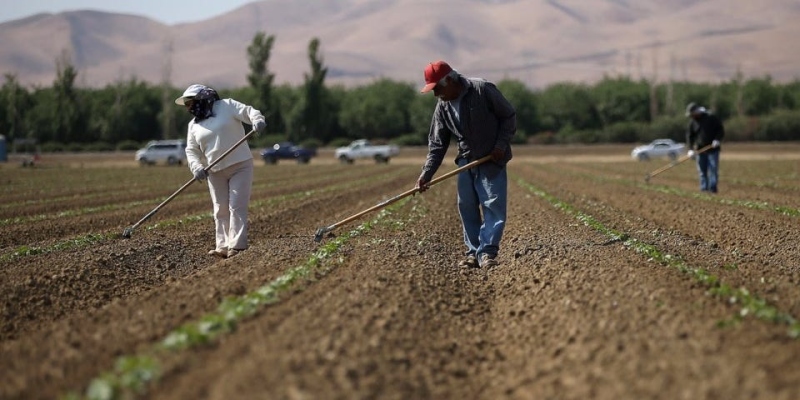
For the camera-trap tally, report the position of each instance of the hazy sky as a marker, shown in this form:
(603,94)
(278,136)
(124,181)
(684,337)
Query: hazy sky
(164,11)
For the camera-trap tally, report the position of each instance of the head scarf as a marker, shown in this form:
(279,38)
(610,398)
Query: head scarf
(203,105)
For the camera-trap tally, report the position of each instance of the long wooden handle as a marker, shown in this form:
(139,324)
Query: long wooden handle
(408,193)
(242,140)
(678,161)
(189,183)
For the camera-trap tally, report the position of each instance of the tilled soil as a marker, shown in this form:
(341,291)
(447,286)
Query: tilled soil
(568,314)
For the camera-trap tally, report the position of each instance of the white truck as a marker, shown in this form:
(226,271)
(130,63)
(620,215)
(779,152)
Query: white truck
(364,149)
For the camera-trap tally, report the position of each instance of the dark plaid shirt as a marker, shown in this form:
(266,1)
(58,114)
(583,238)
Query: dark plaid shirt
(486,121)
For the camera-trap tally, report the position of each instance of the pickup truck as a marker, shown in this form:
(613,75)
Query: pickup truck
(287,151)
(364,149)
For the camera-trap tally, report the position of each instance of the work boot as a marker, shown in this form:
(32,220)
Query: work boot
(488,261)
(221,253)
(469,262)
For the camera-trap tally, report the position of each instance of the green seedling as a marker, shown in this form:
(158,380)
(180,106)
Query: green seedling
(749,304)
(135,374)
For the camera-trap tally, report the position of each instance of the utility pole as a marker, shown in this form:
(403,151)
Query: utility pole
(739,91)
(628,64)
(166,77)
(669,100)
(653,82)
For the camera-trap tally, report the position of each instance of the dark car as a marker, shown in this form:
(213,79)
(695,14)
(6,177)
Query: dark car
(285,151)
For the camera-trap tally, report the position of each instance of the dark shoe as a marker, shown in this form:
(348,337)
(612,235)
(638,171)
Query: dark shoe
(488,261)
(221,253)
(469,262)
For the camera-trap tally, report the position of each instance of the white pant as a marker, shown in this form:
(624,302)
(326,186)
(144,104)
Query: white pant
(230,193)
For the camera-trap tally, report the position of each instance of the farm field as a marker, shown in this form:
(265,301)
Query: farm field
(609,287)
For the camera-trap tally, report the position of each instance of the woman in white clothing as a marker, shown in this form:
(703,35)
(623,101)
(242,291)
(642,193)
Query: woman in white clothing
(216,127)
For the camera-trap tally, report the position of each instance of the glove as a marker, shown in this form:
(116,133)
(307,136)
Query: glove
(690,154)
(715,143)
(200,174)
(259,126)
(422,184)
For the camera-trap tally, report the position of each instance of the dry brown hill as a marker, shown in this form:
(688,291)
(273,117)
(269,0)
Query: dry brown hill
(536,41)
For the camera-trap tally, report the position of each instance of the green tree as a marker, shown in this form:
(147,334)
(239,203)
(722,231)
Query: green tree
(789,95)
(567,105)
(760,96)
(15,101)
(621,100)
(421,113)
(68,119)
(315,118)
(378,110)
(261,79)
(126,110)
(524,102)
(691,92)
(723,99)
(39,118)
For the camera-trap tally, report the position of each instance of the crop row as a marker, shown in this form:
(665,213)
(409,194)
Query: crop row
(749,243)
(749,304)
(97,238)
(778,176)
(134,374)
(672,190)
(106,196)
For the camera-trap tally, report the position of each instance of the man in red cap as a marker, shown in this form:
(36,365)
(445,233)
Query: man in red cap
(474,113)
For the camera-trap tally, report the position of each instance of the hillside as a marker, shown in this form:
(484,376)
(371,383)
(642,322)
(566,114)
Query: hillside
(536,41)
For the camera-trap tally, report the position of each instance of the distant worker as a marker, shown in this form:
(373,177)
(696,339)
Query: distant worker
(215,128)
(482,121)
(705,129)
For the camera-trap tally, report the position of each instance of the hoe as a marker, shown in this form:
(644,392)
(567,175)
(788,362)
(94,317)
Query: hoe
(324,230)
(674,163)
(129,231)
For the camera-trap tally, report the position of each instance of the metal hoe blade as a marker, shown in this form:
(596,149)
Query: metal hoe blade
(127,232)
(322,231)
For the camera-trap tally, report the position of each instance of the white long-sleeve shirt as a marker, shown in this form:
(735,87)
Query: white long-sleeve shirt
(208,139)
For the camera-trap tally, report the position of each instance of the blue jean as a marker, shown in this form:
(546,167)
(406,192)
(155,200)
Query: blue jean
(482,204)
(708,169)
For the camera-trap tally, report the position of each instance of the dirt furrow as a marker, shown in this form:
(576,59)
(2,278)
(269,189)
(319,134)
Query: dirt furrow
(737,179)
(565,316)
(749,248)
(570,313)
(192,201)
(52,357)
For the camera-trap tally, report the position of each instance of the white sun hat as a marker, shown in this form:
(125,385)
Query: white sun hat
(189,93)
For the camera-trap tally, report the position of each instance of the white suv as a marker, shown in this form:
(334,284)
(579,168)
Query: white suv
(173,152)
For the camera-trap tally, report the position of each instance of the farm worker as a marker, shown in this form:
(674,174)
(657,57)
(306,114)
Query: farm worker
(474,113)
(215,128)
(704,129)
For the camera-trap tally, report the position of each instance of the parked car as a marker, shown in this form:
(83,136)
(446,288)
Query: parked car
(171,152)
(287,151)
(658,148)
(364,149)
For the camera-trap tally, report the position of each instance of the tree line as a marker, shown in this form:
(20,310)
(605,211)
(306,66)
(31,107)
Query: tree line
(618,109)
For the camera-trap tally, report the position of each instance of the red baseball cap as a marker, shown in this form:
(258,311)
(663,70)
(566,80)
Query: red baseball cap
(434,72)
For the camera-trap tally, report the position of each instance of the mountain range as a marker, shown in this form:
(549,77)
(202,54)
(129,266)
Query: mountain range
(538,42)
